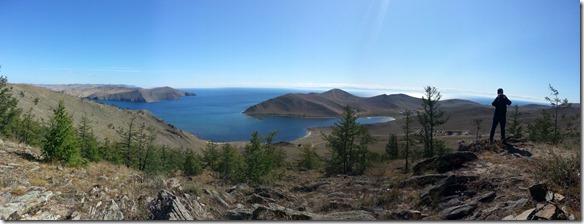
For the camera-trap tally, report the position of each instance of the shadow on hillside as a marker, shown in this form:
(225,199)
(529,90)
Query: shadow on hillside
(517,152)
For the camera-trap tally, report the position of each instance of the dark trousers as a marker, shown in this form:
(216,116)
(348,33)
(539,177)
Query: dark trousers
(498,120)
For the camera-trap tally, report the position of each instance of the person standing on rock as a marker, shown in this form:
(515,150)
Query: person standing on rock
(500,103)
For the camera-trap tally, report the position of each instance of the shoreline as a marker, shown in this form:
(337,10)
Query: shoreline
(304,137)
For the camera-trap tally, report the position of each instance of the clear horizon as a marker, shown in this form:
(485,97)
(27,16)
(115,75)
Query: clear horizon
(363,92)
(470,47)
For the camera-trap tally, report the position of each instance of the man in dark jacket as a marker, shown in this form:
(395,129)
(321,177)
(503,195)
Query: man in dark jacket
(500,103)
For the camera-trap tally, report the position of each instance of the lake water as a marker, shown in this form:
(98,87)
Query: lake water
(216,114)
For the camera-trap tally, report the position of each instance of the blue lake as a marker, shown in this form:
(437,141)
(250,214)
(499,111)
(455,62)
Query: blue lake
(216,114)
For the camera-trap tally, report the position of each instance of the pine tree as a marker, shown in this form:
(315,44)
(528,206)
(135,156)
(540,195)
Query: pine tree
(192,164)
(362,155)
(61,143)
(391,148)
(156,163)
(557,104)
(9,111)
(407,128)
(127,142)
(231,164)
(477,123)
(309,159)
(515,129)
(348,144)
(109,152)
(148,148)
(88,141)
(429,118)
(30,131)
(211,156)
(542,129)
(261,157)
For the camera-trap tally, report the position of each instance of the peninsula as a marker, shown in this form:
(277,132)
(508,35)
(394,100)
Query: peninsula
(331,103)
(120,92)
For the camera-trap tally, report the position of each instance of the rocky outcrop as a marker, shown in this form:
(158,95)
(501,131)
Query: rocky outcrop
(444,163)
(423,180)
(460,194)
(457,212)
(452,187)
(499,209)
(14,207)
(168,207)
(113,212)
(547,208)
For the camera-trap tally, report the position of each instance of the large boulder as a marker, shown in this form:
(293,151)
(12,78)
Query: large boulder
(444,163)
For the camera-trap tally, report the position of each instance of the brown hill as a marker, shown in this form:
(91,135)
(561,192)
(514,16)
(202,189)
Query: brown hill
(105,119)
(120,92)
(331,103)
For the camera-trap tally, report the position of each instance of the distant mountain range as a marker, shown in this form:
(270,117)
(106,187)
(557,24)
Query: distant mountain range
(120,92)
(331,103)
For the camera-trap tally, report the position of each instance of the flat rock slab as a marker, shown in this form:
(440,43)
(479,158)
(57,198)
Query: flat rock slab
(488,197)
(548,212)
(457,212)
(20,205)
(526,215)
(423,180)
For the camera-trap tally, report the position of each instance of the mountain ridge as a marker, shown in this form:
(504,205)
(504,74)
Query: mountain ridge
(330,104)
(119,92)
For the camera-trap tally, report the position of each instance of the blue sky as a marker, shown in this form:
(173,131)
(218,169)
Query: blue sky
(459,46)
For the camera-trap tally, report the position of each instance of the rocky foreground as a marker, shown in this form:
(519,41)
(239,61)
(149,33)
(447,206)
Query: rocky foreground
(481,182)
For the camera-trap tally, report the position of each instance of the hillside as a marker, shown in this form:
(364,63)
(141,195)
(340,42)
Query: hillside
(105,119)
(331,103)
(489,183)
(120,92)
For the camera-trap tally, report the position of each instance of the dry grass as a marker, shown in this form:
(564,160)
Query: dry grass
(18,190)
(560,168)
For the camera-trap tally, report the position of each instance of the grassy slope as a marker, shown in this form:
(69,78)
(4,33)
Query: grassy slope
(101,116)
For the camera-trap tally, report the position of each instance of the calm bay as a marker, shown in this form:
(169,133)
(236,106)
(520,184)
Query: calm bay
(216,114)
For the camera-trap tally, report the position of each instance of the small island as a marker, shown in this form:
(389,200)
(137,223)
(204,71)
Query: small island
(120,92)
